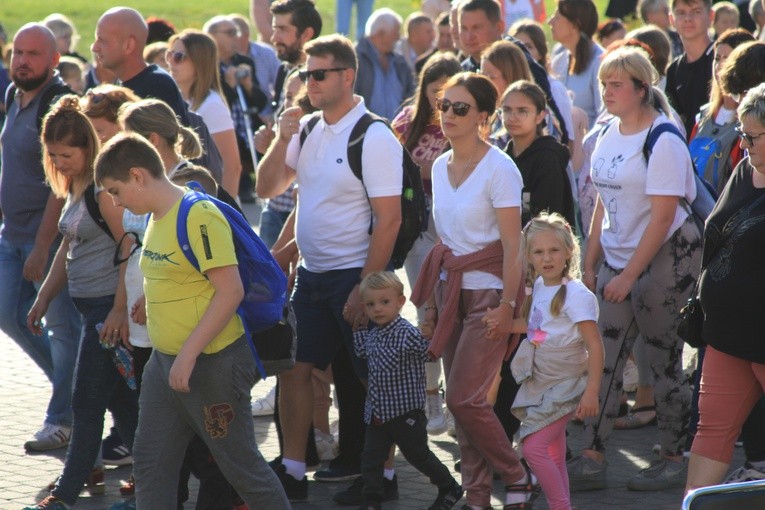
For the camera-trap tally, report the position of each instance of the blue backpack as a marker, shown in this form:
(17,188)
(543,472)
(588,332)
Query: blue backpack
(706,196)
(267,320)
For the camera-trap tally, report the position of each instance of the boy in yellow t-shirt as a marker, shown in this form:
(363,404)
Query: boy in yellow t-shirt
(199,376)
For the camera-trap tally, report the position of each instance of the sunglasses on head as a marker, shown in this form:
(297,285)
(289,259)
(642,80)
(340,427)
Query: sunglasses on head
(318,74)
(459,108)
(175,57)
(96,97)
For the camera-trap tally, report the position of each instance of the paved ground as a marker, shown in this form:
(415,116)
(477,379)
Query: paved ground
(24,392)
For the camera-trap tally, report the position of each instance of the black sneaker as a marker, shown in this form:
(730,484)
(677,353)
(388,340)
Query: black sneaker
(113,451)
(447,497)
(353,495)
(336,474)
(296,490)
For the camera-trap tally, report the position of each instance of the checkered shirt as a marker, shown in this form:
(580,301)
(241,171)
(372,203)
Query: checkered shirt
(396,355)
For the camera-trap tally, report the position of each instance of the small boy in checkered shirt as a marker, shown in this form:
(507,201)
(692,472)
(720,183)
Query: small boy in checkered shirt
(396,354)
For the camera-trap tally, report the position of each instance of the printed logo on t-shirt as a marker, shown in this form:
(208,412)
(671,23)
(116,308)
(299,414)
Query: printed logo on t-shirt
(159,258)
(536,336)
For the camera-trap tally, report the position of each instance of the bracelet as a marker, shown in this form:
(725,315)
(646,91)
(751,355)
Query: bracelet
(506,301)
(431,307)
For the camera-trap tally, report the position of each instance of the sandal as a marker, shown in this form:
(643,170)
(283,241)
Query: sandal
(533,490)
(634,420)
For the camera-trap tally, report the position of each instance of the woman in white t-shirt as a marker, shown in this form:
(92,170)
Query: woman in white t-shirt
(193,61)
(474,268)
(651,248)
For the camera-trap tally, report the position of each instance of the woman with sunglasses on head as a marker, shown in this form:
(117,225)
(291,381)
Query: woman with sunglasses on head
(476,205)
(102,104)
(193,61)
(85,260)
(733,373)
(573,25)
(418,129)
(649,244)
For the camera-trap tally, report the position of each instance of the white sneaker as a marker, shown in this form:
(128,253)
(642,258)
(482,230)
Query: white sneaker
(434,408)
(630,382)
(49,437)
(265,406)
(326,446)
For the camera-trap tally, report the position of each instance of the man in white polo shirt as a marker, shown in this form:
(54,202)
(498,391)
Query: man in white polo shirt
(332,232)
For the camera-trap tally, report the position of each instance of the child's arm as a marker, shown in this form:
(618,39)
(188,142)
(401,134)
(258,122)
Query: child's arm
(588,405)
(360,342)
(228,294)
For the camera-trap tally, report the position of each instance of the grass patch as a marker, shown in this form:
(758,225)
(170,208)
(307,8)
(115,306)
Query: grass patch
(181,13)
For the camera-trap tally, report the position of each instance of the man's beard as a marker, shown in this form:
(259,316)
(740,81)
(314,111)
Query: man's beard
(291,54)
(29,83)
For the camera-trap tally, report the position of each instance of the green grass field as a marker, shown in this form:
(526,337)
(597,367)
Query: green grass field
(182,13)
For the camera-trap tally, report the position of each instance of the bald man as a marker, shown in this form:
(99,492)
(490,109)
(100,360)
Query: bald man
(28,237)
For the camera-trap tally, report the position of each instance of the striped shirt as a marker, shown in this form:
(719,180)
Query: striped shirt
(396,355)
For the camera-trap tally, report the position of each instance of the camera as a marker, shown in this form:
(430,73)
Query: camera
(242,73)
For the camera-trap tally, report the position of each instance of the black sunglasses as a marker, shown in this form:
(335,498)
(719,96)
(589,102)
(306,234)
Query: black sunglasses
(118,259)
(176,57)
(318,74)
(750,139)
(459,108)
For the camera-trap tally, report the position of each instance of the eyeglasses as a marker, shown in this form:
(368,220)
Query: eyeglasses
(459,108)
(175,57)
(118,259)
(748,138)
(231,32)
(318,74)
(519,113)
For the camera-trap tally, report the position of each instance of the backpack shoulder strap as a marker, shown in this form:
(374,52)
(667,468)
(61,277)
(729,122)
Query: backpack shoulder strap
(46,100)
(91,204)
(309,127)
(10,96)
(181,226)
(356,142)
(655,132)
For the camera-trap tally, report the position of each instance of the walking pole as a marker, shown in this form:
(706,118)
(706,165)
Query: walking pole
(247,125)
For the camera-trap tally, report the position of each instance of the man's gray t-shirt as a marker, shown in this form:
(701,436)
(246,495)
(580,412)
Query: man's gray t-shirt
(23,191)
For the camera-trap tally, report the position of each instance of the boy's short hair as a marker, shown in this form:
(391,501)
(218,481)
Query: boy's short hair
(126,151)
(646,7)
(195,173)
(381,280)
(489,7)
(721,8)
(68,66)
(706,3)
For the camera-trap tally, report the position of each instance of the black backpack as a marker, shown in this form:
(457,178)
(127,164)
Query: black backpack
(50,95)
(414,209)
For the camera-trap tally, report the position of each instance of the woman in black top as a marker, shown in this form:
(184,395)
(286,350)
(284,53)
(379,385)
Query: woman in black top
(732,296)
(541,159)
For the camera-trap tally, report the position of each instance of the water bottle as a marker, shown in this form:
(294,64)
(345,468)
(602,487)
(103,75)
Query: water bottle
(122,359)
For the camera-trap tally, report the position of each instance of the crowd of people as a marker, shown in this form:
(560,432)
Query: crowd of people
(559,245)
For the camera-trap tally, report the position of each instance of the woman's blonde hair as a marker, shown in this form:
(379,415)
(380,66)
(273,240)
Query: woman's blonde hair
(66,124)
(557,224)
(510,60)
(149,116)
(202,52)
(636,64)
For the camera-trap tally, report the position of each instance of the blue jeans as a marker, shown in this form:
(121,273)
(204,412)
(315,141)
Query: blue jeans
(271,223)
(54,352)
(363,11)
(97,385)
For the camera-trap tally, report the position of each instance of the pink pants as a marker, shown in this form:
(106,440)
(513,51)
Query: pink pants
(730,387)
(545,451)
(471,361)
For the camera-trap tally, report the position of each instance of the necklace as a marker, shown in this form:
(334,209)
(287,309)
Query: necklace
(458,182)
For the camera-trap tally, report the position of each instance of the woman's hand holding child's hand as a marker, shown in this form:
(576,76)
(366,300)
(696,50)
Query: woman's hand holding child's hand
(498,322)
(138,311)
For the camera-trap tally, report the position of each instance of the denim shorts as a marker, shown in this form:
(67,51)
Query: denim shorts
(318,300)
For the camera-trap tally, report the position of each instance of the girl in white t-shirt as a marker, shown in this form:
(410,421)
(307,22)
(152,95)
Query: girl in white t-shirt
(193,62)
(650,249)
(560,363)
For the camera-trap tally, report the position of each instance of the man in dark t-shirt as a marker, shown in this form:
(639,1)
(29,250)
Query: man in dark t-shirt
(689,76)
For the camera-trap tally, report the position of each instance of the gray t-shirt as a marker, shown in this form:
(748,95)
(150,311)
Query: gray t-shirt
(23,191)
(90,261)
